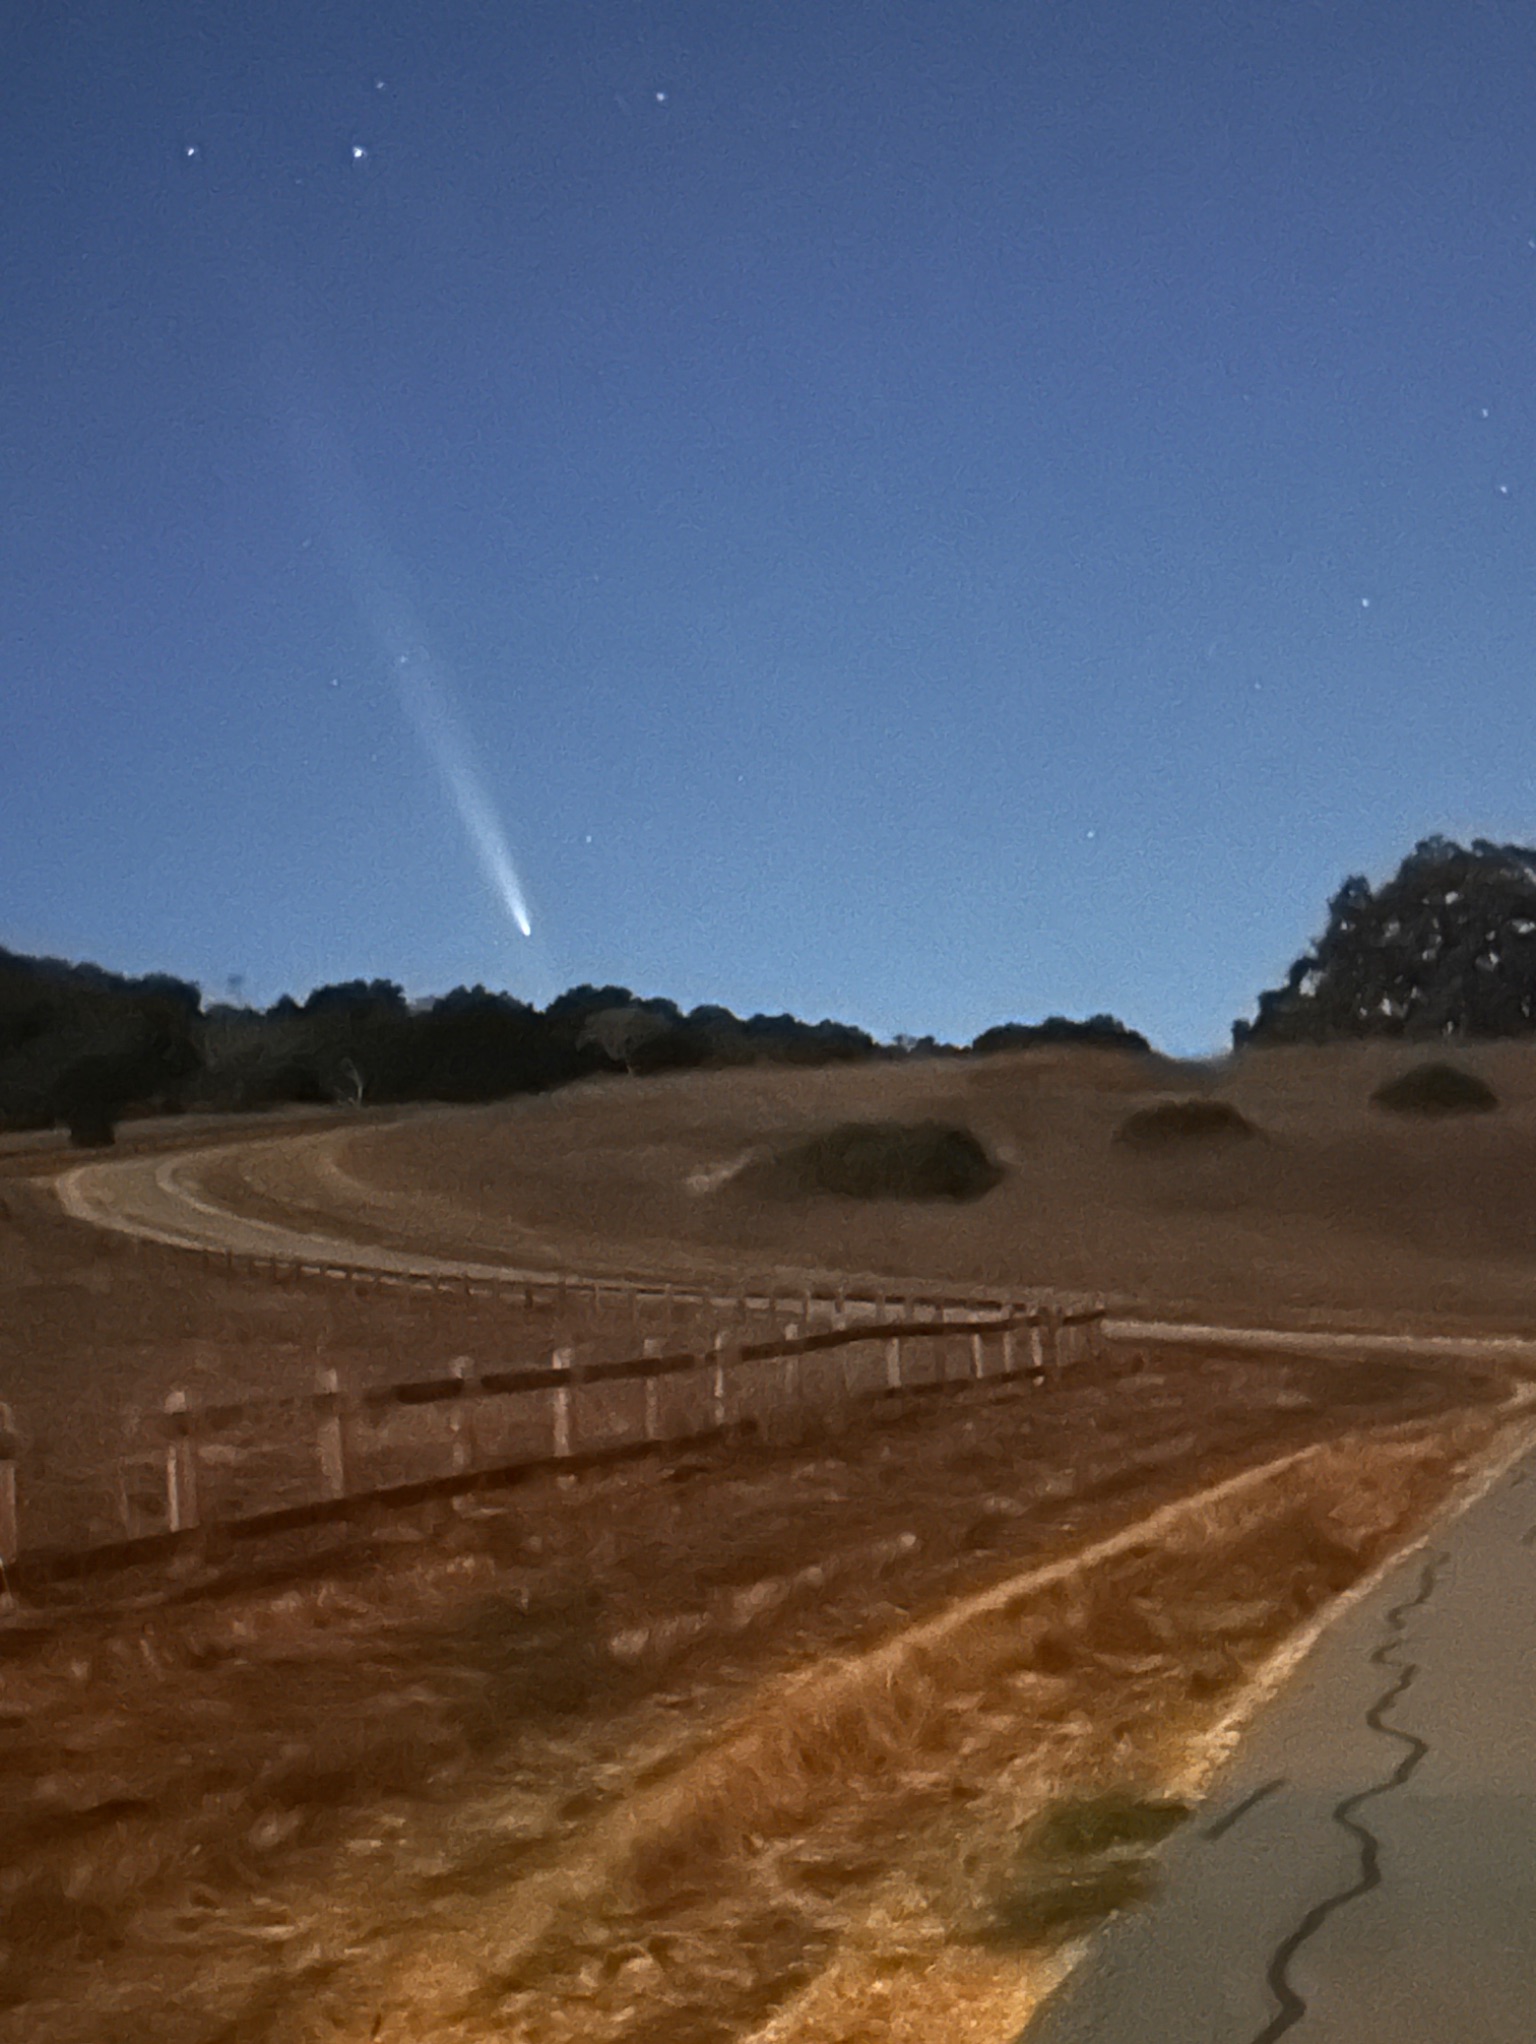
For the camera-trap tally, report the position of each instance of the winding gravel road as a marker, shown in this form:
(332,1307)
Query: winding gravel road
(162,1199)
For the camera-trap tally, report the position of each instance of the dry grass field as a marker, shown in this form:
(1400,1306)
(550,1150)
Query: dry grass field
(816,1741)
(1338,1214)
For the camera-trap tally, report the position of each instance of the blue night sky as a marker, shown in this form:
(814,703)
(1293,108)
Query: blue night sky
(927,514)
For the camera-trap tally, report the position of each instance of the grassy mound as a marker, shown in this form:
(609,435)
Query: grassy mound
(888,1160)
(1435,1089)
(1174,1124)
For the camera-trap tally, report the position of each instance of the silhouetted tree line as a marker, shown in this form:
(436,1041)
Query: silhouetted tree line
(1099,1032)
(1445,948)
(81,1047)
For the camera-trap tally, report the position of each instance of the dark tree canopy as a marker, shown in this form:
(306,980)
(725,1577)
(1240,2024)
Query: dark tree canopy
(78,1044)
(1445,948)
(86,1047)
(357,997)
(1099,1032)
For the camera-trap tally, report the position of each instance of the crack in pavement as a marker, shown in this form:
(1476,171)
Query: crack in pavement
(1293,2006)
(1224,1824)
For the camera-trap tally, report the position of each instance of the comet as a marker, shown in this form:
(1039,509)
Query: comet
(426,703)
(329,479)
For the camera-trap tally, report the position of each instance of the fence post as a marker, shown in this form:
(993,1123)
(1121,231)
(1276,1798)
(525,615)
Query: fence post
(792,1366)
(461,1415)
(562,1359)
(329,1433)
(180,1465)
(1053,1337)
(1036,1347)
(717,1381)
(1008,1357)
(893,1363)
(10,1532)
(652,1347)
(978,1360)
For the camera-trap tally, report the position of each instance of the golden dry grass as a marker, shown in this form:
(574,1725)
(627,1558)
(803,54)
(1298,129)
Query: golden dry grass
(951,1783)
(257,1812)
(759,1703)
(1342,1216)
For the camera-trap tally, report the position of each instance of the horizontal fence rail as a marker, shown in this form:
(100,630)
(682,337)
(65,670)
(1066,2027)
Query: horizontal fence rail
(564,1291)
(214,1470)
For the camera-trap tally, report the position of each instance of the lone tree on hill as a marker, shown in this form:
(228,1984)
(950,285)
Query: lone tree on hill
(1446,947)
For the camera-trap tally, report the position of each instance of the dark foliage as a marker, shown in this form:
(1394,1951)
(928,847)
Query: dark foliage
(357,997)
(1445,948)
(85,1047)
(889,1160)
(1435,1089)
(1177,1124)
(586,1000)
(1099,1032)
(681,1049)
(923,1047)
(79,1045)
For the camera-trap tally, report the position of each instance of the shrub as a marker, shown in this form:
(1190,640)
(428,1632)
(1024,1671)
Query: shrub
(889,1160)
(1171,1124)
(92,1128)
(1435,1089)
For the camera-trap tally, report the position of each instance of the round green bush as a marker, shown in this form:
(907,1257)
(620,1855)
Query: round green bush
(889,1160)
(1435,1089)
(1175,1124)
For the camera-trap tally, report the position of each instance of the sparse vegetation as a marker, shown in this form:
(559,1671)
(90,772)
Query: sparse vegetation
(1435,1089)
(1085,1857)
(1177,1124)
(886,1160)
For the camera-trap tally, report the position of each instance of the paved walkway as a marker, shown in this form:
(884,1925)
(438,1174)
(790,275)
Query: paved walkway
(1364,1872)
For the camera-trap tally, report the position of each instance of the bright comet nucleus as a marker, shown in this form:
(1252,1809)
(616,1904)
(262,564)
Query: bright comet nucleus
(426,704)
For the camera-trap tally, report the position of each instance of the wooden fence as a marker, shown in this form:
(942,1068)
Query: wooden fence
(197,1472)
(635,1296)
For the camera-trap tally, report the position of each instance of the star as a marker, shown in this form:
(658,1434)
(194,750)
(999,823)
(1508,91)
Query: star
(190,150)
(359,153)
(1365,603)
